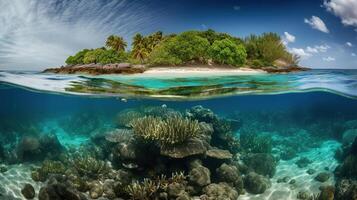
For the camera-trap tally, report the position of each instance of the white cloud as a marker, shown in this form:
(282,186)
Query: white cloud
(312,49)
(38,34)
(317,23)
(345,9)
(288,38)
(317,48)
(300,52)
(328,59)
(353,54)
(349,44)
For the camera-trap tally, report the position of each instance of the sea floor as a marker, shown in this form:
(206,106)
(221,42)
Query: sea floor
(323,161)
(13,180)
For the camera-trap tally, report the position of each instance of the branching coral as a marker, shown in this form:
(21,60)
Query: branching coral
(173,130)
(149,189)
(142,191)
(89,166)
(48,167)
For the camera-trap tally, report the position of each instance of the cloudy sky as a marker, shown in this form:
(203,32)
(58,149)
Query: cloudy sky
(35,34)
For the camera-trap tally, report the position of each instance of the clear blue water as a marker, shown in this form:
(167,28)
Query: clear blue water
(309,111)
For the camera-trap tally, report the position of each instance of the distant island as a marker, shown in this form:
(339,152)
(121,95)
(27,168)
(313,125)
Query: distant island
(196,50)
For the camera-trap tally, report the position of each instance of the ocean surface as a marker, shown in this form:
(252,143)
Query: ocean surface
(308,114)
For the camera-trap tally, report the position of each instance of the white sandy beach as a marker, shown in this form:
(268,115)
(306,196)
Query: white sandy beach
(198,71)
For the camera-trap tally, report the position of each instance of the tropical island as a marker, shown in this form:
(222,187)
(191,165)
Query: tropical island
(187,51)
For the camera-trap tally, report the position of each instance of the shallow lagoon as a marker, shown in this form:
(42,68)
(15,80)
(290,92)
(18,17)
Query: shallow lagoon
(308,125)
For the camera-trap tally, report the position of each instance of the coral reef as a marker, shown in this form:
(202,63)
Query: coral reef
(170,131)
(155,152)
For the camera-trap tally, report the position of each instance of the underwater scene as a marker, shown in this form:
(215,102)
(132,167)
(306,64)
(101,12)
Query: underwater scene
(266,137)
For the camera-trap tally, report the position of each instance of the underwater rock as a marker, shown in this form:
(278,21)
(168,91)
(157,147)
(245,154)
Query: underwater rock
(28,191)
(261,163)
(51,145)
(346,189)
(348,168)
(230,174)
(183,196)
(126,151)
(175,189)
(3,169)
(322,176)
(220,191)
(311,171)
(96,191)
(200,175)
(288,154)
(303,162)
(219,154)
(327,193)
(108,189)
(201,114)
(349,136)
(255,183)
(303,195)
(193,146)
(28,148)
(119,135)
(58,191)
(353,150)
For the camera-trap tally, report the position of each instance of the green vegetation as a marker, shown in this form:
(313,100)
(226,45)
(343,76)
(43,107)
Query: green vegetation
(227,52)
(191,47)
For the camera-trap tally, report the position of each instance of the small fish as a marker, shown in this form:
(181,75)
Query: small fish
(164,106)
(123,100)
(130,165)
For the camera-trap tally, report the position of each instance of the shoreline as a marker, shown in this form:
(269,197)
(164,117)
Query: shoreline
(197,71)
(186,70)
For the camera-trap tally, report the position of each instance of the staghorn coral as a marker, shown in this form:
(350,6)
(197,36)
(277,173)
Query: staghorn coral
(173,130)
(48,167)
(149,189)
(142,191)
(89,166)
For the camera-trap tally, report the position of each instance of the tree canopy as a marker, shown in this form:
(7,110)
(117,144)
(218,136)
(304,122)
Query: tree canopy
(190,47)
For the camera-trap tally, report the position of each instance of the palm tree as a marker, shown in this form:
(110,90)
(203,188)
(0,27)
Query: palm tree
(116,43)
(154,39)
(140,50)
(138,41)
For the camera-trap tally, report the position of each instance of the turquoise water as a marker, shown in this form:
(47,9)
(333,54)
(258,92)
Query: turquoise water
(261,120)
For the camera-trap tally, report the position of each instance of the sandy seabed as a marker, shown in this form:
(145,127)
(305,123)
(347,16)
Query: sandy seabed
(12,181)
(322,161)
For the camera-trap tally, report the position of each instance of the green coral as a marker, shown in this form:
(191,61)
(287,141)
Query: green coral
(172,130)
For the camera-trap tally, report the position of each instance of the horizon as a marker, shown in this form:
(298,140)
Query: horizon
(40,34)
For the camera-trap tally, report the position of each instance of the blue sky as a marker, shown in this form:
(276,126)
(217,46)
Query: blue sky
(42,33)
